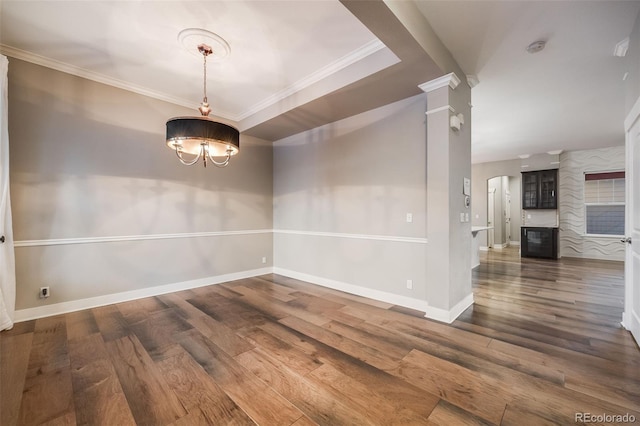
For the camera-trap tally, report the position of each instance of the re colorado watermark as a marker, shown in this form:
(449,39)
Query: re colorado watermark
(604,418)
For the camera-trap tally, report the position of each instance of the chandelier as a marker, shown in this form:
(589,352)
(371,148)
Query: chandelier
(202,136)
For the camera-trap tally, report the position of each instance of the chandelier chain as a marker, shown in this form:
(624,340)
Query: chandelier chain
(205,76)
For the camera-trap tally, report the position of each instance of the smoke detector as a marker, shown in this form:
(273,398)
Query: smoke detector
(536,46)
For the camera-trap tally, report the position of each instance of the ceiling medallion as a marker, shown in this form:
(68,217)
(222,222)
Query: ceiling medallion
(191,38)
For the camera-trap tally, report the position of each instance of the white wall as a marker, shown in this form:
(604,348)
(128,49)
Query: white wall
(89,161)
(342,193)
(573,165)
(632,83)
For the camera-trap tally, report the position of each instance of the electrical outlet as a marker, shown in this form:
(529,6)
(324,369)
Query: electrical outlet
(44,292)
(410,284)
(264,260)
(409,217)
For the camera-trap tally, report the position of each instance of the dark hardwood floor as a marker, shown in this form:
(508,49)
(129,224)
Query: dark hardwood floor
(542,343)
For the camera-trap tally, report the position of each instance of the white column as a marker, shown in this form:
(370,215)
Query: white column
(448,264)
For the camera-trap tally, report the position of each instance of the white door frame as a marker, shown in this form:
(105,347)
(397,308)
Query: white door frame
(631,315)
(507,216)
(491,216)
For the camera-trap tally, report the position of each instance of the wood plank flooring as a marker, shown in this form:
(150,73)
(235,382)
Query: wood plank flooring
(542,343)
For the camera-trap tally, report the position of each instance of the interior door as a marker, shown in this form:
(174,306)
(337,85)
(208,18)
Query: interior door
(507,216)
(491,206)
(631,318)
(7,259)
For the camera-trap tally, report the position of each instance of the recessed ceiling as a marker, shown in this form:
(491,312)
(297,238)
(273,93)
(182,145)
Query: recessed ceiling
(277,47)
(297,64)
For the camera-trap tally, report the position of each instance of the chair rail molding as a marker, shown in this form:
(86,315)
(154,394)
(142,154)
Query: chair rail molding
(121,238)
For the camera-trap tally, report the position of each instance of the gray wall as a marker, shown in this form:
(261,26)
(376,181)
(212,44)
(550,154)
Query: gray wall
(359,176)
(90,161)
(480,174)
(632,84)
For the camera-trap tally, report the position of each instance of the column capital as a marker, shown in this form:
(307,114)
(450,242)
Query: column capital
(451,80)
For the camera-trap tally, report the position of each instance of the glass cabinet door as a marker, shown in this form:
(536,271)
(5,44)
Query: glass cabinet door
(540,189)
(548,189)
(529,191)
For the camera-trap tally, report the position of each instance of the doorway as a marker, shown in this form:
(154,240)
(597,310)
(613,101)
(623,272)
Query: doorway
(491,203)
(503,212)
(507,215)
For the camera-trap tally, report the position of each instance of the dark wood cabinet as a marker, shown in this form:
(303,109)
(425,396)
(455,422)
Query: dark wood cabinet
(539,242)
(540,189)
(529,190)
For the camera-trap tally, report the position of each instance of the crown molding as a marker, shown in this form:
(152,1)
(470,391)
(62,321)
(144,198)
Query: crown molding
(450,80)
(323,73)
(472,80)
(357,55)
(33,58)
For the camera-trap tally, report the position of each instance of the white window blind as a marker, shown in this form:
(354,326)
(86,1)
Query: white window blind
(604,198)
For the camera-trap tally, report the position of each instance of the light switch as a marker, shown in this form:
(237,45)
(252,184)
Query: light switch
(461,217)
(466,217)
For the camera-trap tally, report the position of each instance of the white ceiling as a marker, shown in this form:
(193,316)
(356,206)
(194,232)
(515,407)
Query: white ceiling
(288,54)
(568,96)
(274,45)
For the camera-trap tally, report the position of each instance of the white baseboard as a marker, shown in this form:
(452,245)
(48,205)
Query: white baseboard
(631,322)
(459,308)
(383,296)
(502,246)
(109,299)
